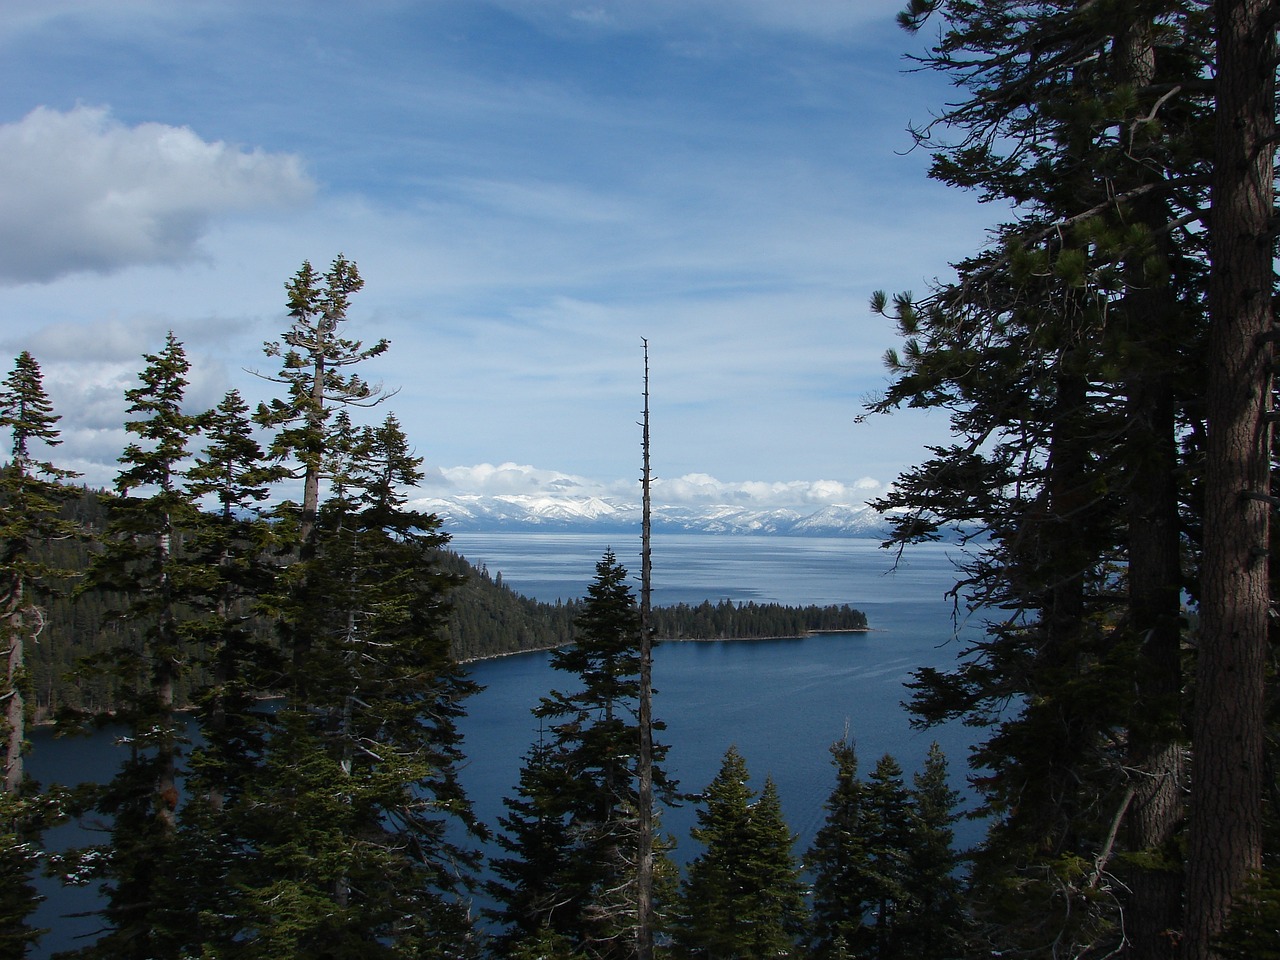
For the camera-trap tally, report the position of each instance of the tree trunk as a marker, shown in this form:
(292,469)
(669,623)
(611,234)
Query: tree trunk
(14,707)
(1226,817)
(644,860)
(1155,902)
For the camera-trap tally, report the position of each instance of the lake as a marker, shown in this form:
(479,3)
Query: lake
(781,702)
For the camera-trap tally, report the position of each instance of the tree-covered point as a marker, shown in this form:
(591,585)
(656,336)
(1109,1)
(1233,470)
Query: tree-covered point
(487,619)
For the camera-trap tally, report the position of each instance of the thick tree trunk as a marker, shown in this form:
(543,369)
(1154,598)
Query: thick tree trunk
(1155,753)
(14,706)
(1227,736)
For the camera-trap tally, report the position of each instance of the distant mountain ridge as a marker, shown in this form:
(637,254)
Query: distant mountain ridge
(569,514)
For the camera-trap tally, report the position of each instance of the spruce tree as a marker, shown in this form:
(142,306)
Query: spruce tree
(573,828)
(141,561)
(840,862)
(31,496)
(742,896)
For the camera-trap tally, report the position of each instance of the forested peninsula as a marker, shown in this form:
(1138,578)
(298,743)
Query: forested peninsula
(485,618)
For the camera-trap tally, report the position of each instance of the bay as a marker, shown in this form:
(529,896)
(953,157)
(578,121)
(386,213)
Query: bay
(780,702)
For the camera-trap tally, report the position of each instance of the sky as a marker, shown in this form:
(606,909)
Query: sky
(531,189)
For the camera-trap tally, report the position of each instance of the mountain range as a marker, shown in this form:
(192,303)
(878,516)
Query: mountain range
(569,514)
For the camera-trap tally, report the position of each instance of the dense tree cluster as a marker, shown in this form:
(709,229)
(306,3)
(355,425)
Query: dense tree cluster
(326,825)
(1106,364)
(737,621)
(314,649)
(486,618)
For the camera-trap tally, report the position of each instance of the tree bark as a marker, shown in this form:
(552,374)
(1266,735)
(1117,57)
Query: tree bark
(1227,737)
(644,860)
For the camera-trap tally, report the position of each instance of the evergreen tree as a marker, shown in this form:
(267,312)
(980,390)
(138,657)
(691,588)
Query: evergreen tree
(839,860)
(141,561)
(1225,843)
(1069,355)
(230,566)
(234,545)
(573,827)
(375,738)
(313,359)
(31,496)
(742,896)
(931,921)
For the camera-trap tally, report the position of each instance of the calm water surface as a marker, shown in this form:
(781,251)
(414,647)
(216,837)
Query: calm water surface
(781,702)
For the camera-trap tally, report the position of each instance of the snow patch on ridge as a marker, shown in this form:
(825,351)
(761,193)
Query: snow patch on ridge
(534,512)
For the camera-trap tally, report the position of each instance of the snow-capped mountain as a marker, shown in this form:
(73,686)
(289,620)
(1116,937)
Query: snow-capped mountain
(528,512)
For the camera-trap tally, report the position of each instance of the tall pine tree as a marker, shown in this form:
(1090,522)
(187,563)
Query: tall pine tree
(742,896)
(141,561)
(573,828)
(31,495)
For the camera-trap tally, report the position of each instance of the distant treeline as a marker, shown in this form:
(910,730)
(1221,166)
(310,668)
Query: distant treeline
(488,619)
(748,621)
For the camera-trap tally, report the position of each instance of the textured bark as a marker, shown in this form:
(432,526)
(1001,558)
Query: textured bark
(14,706)
(1226,818)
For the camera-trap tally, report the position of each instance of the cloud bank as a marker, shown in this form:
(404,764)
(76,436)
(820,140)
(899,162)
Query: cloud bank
(80,191)
(694,489)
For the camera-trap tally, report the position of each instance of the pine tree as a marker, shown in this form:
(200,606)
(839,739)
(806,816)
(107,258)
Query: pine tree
(742,896)
(839,860)
(31,496)
(573,828)
(374,746)
(1069,353)
(141,561)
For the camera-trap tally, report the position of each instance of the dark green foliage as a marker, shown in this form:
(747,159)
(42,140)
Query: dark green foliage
(30,500)
(736,621)
(1068,356)
(883,864)
(140,561)
(742,896)
(572,829)
(840,863)
(348,824)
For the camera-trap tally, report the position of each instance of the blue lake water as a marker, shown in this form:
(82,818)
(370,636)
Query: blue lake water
(781,702)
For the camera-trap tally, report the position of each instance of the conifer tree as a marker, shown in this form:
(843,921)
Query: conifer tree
(374,742)
(141,561)
(314,357)
(931,921)
(31,495)
(1069,354)
(742,896)
(840,862)
(573,828)
(234,545)
(1225,842)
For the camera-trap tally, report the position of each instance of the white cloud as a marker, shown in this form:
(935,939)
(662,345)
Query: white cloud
(80,191)
(699,489)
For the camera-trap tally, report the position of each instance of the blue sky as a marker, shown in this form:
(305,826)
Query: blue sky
(529,188)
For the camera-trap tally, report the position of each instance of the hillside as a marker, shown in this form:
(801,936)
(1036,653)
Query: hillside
(487,619)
